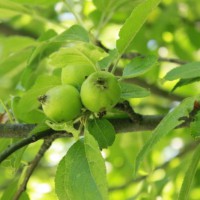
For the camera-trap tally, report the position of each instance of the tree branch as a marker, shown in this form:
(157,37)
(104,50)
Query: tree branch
(187,149)
(125,107)
(33,164)
(28,140)
(10,31)
(15,130)
(147,122)
(132,55)
(172,60)
(135,122)
(160,59)
(120,125)
(156,90)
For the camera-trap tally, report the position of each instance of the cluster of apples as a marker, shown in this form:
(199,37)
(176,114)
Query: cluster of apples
(82,86)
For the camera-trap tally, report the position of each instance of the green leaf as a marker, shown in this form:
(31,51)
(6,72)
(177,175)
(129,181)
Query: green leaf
(43,48)
(50,42)
(11,69)
(81,174)
(4,143)
(170,121)
(103,131)
(14,160)
(195,126)
(139,66)
(42,51)
(10,191)
(189,176)
(133,24)
(13,44)
(47,35)
(183,82)
(80,54)
(33,116)
(14,61)
(75,32)
(36,2)
(14,7)
(108,8)
(133,91)
(100,4)
(187,71)
(24,196)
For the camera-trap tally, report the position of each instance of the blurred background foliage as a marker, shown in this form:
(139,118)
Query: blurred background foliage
(171,31)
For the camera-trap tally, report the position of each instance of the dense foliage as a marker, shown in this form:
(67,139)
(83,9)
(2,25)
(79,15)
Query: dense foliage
(132,134)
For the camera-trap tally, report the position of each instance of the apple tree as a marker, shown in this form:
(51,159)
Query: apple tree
(99,99)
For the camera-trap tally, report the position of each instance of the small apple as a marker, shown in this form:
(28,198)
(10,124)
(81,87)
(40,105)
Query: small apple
(61,103)
(100,91)
(75,75)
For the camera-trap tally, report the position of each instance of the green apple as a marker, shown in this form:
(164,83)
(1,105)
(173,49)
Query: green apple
(100,91)
(61,103)
(75,75)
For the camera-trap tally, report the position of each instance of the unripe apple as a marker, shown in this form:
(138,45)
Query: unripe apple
(100,91)
(61,103)
(75,75)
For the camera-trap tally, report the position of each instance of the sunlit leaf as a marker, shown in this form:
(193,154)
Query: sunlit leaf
(139,66)
(36,2)
(14,7)
(11,190)
(50,42)
(183,82)
(14,61)
(11,68)
(75,32)
(100,4)
(170,121)
(189,176)
(14,44)
(187,71)
(44,47)
(80,54)
(81,173)
(134,23)
(133,91)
